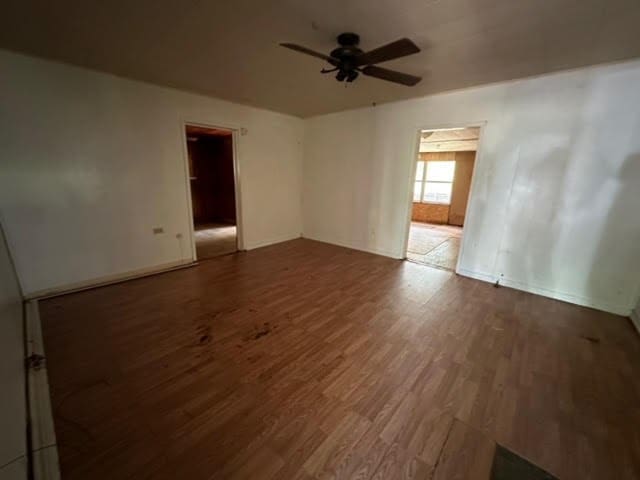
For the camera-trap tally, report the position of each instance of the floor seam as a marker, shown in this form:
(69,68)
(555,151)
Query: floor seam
(445,240)
(429,251)
(444,444)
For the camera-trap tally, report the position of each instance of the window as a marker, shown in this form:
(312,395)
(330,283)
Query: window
(434,179)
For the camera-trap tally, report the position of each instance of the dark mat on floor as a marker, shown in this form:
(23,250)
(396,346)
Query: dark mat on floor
(509,466)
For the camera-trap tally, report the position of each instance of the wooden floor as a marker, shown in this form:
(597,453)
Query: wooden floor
(215,239)
(305,360)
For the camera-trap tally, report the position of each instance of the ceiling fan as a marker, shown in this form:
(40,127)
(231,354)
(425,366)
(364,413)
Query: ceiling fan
(349,61)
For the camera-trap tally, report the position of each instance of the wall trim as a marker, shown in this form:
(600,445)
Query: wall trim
(43,445)
(547,292)
(139,273)
(271,241)
(505,282)
(109,279)
(375,251)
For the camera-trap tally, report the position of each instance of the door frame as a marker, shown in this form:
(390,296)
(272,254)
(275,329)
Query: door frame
(474,178)
(235,132)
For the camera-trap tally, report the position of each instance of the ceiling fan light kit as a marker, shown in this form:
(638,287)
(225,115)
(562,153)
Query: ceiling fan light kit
(349,61)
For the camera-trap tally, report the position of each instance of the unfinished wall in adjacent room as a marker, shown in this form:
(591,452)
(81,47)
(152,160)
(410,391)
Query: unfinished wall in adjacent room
(13,423)
(555,197)
(430,212)
(92,163)
(461,187)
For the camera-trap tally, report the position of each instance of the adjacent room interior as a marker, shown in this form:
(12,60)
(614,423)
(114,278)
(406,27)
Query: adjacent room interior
(339,240)
(441,189)
(212,185)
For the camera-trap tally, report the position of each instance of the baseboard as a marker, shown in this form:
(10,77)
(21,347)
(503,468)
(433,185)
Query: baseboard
(271,241)
(546,292)
(635,319)
(339,243)
(485,277)
(133,274)
(109,279)
(43,445)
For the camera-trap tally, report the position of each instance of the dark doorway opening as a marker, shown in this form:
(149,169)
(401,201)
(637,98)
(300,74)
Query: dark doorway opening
(213,191)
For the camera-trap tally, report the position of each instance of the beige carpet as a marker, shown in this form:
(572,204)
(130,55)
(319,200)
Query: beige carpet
(213,240)
(434,245)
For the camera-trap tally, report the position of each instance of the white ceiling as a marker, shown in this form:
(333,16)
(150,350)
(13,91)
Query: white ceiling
(230,49)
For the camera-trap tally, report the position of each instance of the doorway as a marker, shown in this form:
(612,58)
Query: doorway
(213,190)
(445,163)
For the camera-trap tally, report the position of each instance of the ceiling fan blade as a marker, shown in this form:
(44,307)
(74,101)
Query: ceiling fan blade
(397,49)
(390,75)
(308,51)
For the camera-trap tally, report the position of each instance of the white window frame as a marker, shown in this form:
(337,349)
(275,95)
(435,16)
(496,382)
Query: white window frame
(423,182)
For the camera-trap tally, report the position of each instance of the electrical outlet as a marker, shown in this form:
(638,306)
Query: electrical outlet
(158,230)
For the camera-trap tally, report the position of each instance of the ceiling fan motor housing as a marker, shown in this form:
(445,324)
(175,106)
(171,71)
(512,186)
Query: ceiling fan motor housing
(345,54)
(348,39)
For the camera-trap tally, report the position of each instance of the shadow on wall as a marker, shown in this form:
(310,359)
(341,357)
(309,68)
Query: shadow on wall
(570,223)
(372,174)
(540,245)
(620,231)
(530,250)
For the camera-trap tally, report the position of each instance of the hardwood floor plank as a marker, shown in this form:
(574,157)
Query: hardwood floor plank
(467,454)
(308,361)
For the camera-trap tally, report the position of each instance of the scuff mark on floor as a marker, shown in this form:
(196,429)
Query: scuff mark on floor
(593,340)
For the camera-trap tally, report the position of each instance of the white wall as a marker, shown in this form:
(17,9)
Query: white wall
(90,163)
(555,204)
(13,429)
